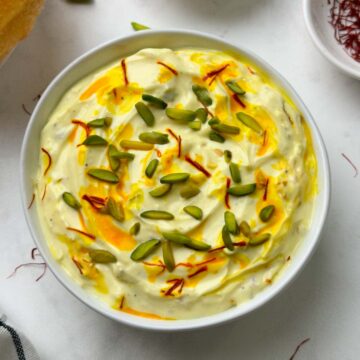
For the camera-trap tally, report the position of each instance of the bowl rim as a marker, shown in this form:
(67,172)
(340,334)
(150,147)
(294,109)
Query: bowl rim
(211,320)
(319,44)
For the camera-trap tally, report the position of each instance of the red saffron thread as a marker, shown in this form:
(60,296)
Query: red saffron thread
(214,73)
(264,138)
(44,193)
(178,283)
(240,243)
(159,264)
(298,348)
(197,272)
(208,111)
(34,253)
(49,158)
(32,201)
(345,19)
(29,264)
(266,190)
(238,100)
(177,138)
(25,109)
(189,265)
(158,152)
(91,236)
(95,201)
(168,67)
(352,164)
(122,302)
(83,125)
(78,265)
(197,165)
(227,196)
(251,70)
(123,66)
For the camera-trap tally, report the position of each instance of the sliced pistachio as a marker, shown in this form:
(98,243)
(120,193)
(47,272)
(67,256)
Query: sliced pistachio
(145,113)
(181,239)
(134,230)
(100,123)
(230,222)
(174,178)
(188,191)
(71,200)
(245,228)
(154,137)
(250,122)
(135,145)
(213,121)
(215,136)
(226,129)
(235,87)
(267,212)
(202,94)
(122,155)
(235,172)
(144,249)
(103,175)
(227,155)
(201,114)
(152,100)
(194,211)
(259,239)
(227,238)
(115,209)
(168,255)
(157,215)
(113,160)
(195,125)
(151,168)
(241,190)
(180,114)
(95,140)
(101,256)
(160,190)
(138,27)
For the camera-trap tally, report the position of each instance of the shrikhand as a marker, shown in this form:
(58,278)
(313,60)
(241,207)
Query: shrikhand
(175,184)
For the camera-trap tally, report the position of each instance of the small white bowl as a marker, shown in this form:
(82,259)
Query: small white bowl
(125,46)
(317,16)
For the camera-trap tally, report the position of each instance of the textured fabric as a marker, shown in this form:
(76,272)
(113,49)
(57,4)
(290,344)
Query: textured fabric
(14,345)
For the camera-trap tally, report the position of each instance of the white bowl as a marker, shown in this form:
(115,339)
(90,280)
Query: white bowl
(116,49)
(316,13)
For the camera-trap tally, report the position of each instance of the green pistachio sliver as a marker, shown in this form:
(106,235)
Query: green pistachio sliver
(101,256)
(153,100)
(151,168)
(168,255)
(215,136)
(135,145)
(241,190)
(138,27)
(157,215)
(250,122)
(181,239)
(230,222)
(145,249)
(103,175)
(113,160)
(115,209)
(195,125)
(145,113)
(100,123)
(245,228)
(122,155)
(226,129)
(227,238)
(194,211)
(174,178)
(227,155)
(134,230)
(267,212)
(202,94)
(213,121)
(259,239)
(160,190)
(235,87)
(94,140)
(71,200)
(154,137)
(201,114)
(188,191)
(235,172)
(180,114)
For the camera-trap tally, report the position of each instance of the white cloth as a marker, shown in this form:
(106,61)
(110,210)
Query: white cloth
(13,344)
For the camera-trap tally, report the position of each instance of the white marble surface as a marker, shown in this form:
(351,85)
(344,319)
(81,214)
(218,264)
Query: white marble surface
(323,302)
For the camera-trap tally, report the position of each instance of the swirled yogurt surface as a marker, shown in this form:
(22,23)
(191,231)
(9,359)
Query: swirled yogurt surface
(90,197)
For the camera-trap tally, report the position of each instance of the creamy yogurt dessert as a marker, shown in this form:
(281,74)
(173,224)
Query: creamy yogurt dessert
(175,184)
